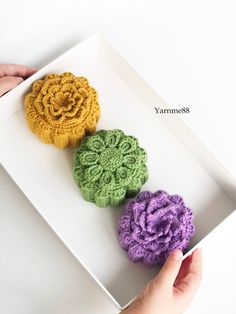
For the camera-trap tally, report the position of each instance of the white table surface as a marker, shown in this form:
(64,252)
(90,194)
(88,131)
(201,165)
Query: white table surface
(187,51)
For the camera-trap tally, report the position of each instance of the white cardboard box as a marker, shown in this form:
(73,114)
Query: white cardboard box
(178,162)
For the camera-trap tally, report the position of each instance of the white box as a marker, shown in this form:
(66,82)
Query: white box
(178,162)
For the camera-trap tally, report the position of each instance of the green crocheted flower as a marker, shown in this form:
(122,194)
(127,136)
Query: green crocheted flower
(109,166)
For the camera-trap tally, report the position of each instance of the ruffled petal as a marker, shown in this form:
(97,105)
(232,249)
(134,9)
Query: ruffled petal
(136,253)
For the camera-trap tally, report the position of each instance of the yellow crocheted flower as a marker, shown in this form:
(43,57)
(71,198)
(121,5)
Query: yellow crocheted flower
(62,109)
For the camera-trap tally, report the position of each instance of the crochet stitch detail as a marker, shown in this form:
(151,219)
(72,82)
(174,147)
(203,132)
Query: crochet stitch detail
(109,166)
(62,109)
(153,225)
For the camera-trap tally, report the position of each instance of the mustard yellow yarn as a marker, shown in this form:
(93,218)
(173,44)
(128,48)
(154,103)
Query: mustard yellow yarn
(62,109)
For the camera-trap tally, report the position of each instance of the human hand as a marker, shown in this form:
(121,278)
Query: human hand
(172,290)
(13,74)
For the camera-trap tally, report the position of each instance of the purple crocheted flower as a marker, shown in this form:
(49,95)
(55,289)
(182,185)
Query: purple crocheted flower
(153,225)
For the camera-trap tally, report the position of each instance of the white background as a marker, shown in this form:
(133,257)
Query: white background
(186,50)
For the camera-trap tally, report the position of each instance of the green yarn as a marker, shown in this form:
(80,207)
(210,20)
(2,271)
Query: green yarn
(109,166)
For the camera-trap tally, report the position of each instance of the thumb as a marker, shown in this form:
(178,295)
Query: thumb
(170,270)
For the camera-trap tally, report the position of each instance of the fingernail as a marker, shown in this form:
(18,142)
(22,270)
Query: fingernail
(177,255)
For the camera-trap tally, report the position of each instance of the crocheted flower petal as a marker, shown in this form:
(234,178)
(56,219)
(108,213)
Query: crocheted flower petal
(48,83)
(78,100)
(58,95)
(183,214)
(158,202)
(161,194)
(93,173)
(124,224)
(53,118)
(136,232)
(165,239)
(151,259)
(93,92)
(146,237)
(136,252)
(88,158)
(55,112)
(46,100)
(156,247)
(71,111)
(67,77)
(68,87)
(144,196)
(191,230)
(83,81)
(67,74)
(142,154)
(141,172)
(128,144)
(131,161)
(37,86)
(95,143)
(53,89)
(113,137)
(138,168)
(177,242)
(101,134)
(77,156)
(85,94)
(106,178)
(82,147)
(39,104)
(176,227)
(125,240)
(177,199)
(143,221)
(128,210)
(123,176)
(138,209)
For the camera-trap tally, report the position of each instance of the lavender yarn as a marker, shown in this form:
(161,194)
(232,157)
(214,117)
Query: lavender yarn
(153,225)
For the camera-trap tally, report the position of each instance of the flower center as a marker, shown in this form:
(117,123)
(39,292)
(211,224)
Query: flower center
(63,102)
(111,159)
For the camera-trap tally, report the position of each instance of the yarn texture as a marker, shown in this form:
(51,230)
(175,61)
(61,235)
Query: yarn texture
(109,166)
(153,225)
(62,109)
